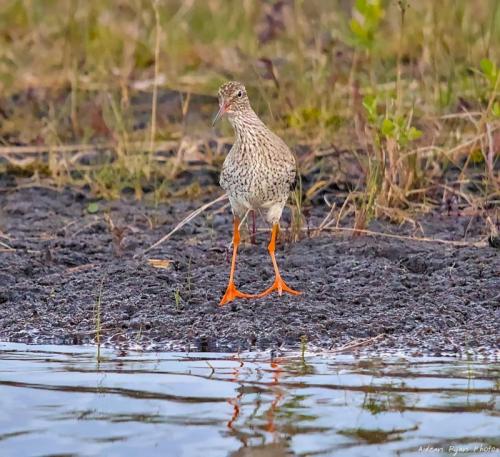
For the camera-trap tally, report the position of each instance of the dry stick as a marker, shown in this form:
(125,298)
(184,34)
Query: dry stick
(6,246)
(7,150)
(184,221)
(460,115)
(491,152)
(432,149)
(28,251)
(358,343)
(325,222)
(133,145)
(467,143)
(457,192)
(425,151)
(353,344)
(410,238)
(478,244)
(344,205)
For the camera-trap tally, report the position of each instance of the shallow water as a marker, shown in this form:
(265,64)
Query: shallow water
(58,400)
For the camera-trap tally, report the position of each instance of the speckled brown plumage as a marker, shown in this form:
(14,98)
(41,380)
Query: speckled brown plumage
(258,173)
(260,168)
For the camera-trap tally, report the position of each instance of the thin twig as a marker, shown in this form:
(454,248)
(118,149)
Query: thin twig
(358,343)
(133,145)
(212,372)
(478,244)
(409,238)
(460,115)
(6,246)
(325,221)
(491,152)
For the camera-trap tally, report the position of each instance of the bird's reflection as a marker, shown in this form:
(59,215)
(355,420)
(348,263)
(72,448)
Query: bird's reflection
(235,402)
(259,430)
(278,395)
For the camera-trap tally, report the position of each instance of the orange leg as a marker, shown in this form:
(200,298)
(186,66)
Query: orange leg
(231,291)
(278,283)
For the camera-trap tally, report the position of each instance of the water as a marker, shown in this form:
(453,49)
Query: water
(56,400)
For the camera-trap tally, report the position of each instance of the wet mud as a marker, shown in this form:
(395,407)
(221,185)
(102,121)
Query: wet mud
(62,253)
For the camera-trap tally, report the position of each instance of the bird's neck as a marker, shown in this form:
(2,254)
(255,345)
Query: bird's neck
(247,124)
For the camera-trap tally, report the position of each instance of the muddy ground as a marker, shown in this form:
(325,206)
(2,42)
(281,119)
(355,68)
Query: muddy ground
(426,298)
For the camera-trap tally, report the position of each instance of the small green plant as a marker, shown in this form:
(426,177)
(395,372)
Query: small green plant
(178,299)
(189,279)
(386,126)
(297,215)
(367,16)
(92,208)
(392,172)
(490,71)
(495,109)
(97,318)
(374,405)
(303,348)
(391,135)
(366,22)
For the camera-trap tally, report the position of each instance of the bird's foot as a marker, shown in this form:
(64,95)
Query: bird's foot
(232,293)
(280,286)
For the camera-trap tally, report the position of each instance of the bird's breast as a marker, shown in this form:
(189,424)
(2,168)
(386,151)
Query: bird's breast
(256,173)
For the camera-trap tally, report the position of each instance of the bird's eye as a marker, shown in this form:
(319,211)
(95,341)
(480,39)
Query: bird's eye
(240,94)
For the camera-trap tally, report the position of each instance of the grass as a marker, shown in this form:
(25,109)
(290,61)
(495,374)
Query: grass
(177,299)
(408,88)
(98,323)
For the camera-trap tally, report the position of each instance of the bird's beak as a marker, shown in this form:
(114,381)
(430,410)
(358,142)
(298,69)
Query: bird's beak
(220,113)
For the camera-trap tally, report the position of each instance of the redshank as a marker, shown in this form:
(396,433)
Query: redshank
(258,173)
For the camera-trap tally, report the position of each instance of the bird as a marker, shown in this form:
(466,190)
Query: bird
(258,173)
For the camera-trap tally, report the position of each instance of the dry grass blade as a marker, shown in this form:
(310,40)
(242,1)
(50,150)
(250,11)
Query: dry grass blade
(327,220)
(477,244)
(6,246)
(160,263)
(6,151)
(358,343)
(4,235)
(80,268)
(186,220)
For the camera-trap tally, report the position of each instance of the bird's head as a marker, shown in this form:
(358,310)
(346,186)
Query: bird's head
(233,100)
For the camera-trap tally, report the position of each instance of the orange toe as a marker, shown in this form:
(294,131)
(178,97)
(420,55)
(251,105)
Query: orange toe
(280,286)
(233,293)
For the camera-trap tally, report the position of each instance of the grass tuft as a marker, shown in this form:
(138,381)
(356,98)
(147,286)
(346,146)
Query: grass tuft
(118,95)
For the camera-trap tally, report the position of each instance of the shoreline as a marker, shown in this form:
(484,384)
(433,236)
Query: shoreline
(429,298)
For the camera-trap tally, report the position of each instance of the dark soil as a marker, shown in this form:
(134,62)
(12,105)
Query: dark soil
(427,298)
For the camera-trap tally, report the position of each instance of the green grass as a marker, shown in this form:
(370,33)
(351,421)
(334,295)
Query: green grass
(98,321)
(370,75)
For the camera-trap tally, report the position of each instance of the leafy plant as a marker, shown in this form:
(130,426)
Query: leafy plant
(392,172)
(490,71)
(92,207)
(366,21)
